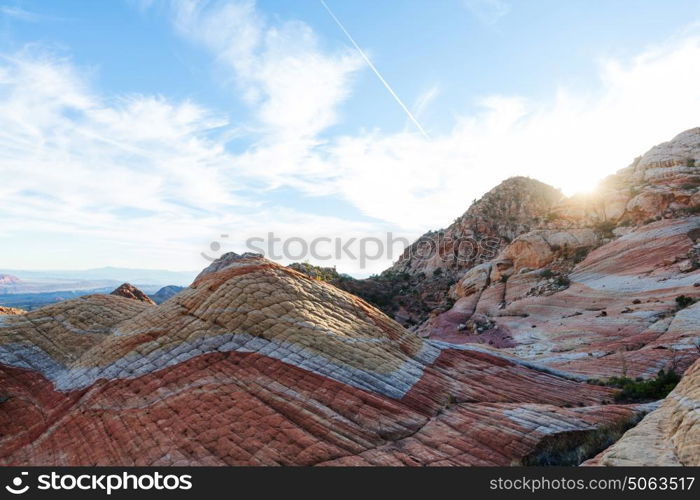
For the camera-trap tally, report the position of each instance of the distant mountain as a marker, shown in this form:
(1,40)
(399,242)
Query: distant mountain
(166,293)
(46,285)
(8,279)
(113,275)
(33,289)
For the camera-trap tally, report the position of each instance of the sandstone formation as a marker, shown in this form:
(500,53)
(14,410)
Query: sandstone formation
(7,311)
(607,286)
(669,435)
(615,314)
(505,361)
(594,291)
(129,291)
(512,208)
(258,364)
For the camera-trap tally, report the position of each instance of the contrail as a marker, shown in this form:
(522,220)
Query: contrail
(376,72)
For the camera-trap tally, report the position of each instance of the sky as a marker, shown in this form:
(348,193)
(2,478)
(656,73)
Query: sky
(159,134)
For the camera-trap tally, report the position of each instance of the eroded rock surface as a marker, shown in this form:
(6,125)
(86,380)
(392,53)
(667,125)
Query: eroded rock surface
(600,299)
(258,364)
(668,436)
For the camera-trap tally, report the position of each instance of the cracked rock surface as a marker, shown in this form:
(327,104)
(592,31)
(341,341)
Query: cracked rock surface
(257,364)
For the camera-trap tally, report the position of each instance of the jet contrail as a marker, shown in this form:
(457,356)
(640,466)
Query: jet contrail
(376,72)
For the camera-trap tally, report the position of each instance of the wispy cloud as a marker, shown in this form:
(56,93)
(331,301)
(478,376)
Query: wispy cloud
(488,11)
(293,85)
(71,160)
(128,179)
(18,13)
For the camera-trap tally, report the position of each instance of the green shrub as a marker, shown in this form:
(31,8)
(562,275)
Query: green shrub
(684,301)
(580,254)
(637,390)
(547,273)
(563,281)
(605,228)
(691,162)
(437,272)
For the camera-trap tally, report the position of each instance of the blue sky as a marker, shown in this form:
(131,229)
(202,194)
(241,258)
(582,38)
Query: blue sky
(137,132)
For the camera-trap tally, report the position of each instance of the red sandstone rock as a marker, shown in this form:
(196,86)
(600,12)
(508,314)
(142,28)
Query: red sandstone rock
(129,291)
(8,311)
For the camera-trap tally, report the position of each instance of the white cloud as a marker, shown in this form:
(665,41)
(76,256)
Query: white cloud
(294,86)
(134,180)
(72,161)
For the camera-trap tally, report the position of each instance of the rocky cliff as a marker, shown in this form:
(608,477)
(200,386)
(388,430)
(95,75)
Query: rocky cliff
(418,283)
(512,208)
(601,285)
(523,224)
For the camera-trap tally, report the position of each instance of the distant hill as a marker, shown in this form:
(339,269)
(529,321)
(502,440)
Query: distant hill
(166,293)
(30,290)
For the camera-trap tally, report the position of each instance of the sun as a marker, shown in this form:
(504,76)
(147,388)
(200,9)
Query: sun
(580,186)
